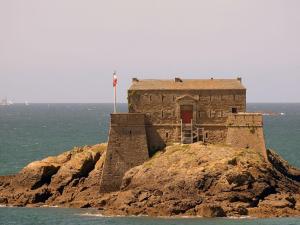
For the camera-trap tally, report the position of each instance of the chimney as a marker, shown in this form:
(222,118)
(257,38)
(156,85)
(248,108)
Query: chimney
(134,80)
(177,79)
(239,79)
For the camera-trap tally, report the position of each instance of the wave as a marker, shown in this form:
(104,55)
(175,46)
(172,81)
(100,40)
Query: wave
(109,216)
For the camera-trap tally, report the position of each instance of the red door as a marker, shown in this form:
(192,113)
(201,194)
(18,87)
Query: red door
(186,116)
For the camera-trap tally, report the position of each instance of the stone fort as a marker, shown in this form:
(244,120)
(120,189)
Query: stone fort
(163,112)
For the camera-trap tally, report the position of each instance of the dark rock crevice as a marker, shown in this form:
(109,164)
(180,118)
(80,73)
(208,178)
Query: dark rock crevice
(46,176)
(282,166)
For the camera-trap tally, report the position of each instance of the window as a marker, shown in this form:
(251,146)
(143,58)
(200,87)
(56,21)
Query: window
(234,110)
(162,98)
(150,98)
(167,134)
(162,114)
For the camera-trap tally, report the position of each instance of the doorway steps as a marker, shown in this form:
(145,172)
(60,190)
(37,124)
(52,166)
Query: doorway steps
(191,134)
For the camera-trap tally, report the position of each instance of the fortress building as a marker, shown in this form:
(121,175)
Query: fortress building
(163,112)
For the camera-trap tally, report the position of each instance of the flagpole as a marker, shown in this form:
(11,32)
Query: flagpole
(115,99)
(115,81)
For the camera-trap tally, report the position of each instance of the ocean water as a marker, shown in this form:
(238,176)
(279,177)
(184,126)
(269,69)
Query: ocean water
(33,132)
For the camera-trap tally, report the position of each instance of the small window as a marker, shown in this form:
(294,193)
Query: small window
(130,133)
(167,134)
(206,135)
(162,114)
(150,98)
(162,98)
(234,110)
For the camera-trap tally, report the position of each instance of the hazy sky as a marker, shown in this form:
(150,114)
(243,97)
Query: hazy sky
(66,50)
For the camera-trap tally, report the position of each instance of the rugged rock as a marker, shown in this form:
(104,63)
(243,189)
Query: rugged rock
(208,181)
(45,181)
(194,180)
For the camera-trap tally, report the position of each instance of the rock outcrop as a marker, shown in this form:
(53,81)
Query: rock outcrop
(189,180)
(62,180)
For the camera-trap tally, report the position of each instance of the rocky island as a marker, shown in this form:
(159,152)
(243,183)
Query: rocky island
(181,180)
(185,148)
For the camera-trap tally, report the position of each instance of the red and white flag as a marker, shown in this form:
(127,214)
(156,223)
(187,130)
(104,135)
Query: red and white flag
(115,79)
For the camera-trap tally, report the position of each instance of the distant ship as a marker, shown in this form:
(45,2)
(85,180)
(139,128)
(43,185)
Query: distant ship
(5,102)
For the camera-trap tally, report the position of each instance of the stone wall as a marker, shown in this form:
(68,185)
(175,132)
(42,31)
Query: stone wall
(127,148)
(162,109)
(215,134)
(245,130)
(211,106)
(158,136)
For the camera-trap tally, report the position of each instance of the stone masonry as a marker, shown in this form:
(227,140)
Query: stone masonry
(127,147)
(163,112)
(245,130)
(162,101)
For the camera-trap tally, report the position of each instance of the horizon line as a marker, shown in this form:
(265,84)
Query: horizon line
(127,103)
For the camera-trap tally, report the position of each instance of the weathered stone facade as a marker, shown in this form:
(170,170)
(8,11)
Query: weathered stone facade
(127,147)
(210,103)
(245,130)
(163,112)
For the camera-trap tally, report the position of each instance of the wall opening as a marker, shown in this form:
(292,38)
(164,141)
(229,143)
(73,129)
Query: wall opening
(234,110)
(167,134)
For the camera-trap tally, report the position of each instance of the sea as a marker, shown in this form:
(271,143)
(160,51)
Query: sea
(33,132)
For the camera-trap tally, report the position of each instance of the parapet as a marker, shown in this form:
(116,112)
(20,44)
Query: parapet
(245,120)
(245,130)
(127,119)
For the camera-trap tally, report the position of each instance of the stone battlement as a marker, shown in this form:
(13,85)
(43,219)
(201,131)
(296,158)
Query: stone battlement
(245,120)
(127,148)
(127,119)
(245,130)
